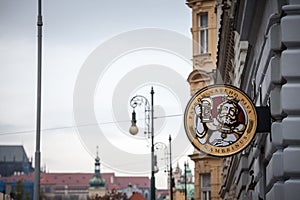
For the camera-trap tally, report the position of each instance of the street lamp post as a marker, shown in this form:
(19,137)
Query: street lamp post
(138,100)
(171,173)
(37,165)
(185,189)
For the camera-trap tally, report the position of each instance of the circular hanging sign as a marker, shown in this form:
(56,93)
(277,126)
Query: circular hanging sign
(220,120)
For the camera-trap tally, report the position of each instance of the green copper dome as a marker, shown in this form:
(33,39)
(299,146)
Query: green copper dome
(189,188)
(97,180)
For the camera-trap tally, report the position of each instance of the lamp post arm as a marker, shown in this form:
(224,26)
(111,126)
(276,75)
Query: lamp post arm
(139,100)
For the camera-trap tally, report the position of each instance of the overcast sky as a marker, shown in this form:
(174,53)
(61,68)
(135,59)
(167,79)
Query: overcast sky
(72,32)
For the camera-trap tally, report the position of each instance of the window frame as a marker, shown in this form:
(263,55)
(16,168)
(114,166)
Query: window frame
(203,32)
(205,190)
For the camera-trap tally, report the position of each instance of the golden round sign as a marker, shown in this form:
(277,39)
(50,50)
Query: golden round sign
(220,120)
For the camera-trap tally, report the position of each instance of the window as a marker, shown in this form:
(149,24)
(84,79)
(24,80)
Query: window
(48,190)
(205,187)
(203,32)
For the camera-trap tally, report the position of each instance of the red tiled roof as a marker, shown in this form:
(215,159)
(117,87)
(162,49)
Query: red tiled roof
(66,178)
(140,182)
(82,180)
(137,196)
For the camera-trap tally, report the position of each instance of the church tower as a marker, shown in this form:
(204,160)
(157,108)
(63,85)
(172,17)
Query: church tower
(97,183)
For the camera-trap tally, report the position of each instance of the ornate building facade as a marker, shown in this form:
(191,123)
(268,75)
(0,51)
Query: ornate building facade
(259,52)
(207,170)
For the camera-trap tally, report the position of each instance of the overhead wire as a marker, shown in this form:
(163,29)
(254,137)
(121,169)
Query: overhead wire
(83,125)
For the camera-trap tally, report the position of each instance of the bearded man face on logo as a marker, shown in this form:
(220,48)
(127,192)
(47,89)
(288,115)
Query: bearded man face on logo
(227,113)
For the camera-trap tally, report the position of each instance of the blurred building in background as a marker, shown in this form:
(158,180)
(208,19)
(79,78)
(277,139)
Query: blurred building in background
(75,186)
(184,183)
(13,159)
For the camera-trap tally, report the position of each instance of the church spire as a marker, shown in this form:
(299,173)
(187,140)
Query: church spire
(97,151)
(97,180)
(97,163)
